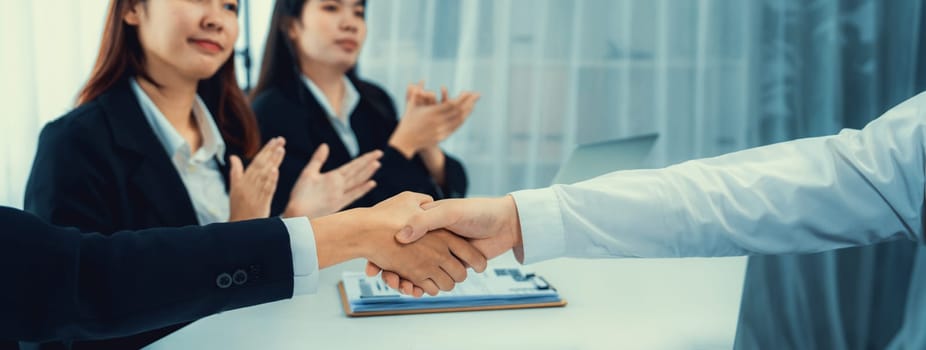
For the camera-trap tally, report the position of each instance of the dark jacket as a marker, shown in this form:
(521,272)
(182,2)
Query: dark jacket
(100,168)
(61,284)
(291,111)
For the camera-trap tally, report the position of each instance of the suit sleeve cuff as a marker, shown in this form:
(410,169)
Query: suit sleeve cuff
(305,255)
(542,231)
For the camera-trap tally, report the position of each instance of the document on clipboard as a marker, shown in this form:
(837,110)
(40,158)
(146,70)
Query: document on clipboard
(494,289)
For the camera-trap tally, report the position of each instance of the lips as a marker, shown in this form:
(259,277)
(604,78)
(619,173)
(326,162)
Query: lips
(207,45)
(349,45)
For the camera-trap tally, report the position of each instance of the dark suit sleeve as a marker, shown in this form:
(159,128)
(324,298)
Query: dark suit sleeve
(61,285)
(67,185)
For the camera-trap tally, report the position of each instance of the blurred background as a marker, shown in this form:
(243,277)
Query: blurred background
(710,76)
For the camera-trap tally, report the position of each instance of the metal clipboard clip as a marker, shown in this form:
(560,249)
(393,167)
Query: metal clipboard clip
(538,281)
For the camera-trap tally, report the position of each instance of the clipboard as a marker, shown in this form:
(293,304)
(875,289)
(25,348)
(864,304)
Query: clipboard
(449,303)
(351,313)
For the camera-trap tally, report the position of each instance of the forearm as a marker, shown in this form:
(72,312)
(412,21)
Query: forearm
(339,237)
(803,196)
(76,286)
(403,146)
(186,270)
(436,162)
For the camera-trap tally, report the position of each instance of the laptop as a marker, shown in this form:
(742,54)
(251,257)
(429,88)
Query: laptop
(596,159)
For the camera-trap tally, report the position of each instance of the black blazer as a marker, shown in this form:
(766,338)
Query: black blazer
(64,285)
(100,168)
(291,111)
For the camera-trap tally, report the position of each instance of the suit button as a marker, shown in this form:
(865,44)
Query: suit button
(223,281)
(240,277)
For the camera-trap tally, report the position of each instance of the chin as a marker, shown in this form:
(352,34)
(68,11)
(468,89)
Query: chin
(203,74)
(346,65)
(203,71)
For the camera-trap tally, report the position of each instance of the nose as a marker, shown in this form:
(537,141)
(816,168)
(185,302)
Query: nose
(349,24)
(212,20)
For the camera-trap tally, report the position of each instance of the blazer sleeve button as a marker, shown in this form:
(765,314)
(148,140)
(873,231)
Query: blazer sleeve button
(224,280)
(240,277)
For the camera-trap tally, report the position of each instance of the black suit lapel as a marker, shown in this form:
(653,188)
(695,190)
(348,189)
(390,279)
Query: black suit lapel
(367,125)
(321,129)
(154,175)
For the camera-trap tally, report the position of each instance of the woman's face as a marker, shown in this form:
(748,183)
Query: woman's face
(192,38)
(330,32)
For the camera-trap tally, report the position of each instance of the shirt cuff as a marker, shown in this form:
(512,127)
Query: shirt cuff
(305,255)
(542,230)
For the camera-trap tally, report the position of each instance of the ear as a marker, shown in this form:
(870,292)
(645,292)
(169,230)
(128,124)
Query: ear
(291,27)
(132,17)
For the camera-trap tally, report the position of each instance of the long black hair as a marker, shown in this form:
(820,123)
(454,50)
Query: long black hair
(280,63)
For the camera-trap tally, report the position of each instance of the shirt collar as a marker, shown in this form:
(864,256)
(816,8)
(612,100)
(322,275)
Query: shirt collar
(173,142)
(348,105)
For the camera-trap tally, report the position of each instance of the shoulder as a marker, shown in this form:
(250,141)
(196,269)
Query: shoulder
(274,105)
(81,127)
(273,99)
(377,97)
(371,90)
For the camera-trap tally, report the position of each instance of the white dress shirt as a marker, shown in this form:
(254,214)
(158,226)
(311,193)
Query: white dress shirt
(202,177)
(340,121)
(856,188)
(199,171)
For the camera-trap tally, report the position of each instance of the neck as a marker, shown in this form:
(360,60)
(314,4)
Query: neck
(175,101)
(328,79)
(174,97)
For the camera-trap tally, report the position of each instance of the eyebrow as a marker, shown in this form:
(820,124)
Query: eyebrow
(356,2)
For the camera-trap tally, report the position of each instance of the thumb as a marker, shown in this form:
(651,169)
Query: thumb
(237,169)
(435,216)
(318,159)
(410,92)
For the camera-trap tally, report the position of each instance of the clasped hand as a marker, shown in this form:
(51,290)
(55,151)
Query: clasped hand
(490,225)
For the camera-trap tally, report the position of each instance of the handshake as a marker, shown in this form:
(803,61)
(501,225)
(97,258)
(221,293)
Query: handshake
(421,245)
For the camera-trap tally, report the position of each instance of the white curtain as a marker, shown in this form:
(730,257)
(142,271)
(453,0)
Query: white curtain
(47,49)
(556,73)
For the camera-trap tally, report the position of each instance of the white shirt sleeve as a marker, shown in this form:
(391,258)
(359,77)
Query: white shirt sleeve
(305,255)
(809,195)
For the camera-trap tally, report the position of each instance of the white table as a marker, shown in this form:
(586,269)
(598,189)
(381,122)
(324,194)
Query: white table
(629,303)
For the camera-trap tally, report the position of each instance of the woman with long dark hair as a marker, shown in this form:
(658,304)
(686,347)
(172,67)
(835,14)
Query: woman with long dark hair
(161,134)
(308,92)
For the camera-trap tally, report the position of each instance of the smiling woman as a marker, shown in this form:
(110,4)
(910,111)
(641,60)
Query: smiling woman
(308,92)
(159,133)
(137,39)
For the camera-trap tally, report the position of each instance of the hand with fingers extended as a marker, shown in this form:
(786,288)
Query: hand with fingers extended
(433,263)
(317,194)
(433,157)
(427,122)
(251,191)
(489,224)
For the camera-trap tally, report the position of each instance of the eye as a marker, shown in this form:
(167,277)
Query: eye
(330,8)
(360,12)
(233,7)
